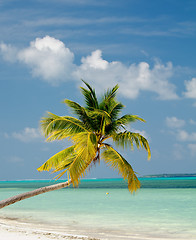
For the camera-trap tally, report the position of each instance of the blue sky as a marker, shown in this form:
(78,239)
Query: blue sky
(147,47)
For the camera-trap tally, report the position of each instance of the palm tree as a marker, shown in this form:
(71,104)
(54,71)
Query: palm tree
(97,123)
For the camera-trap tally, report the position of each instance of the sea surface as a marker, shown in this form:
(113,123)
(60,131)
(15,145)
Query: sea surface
(164,208)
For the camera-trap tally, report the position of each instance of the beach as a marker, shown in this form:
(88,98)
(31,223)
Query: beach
(11,229)
(164,209)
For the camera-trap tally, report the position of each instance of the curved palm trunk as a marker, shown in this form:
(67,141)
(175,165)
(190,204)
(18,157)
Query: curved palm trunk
(33,193)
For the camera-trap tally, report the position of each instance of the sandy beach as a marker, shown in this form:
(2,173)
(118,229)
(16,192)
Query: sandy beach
(13,230)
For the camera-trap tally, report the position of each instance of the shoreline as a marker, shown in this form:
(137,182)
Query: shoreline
(11,229)
(17,228)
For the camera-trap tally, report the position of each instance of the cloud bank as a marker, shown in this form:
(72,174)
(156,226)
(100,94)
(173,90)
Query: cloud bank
(174,122)
(50,60)
(182,136)
(26,135)
(190,88)
(132,79)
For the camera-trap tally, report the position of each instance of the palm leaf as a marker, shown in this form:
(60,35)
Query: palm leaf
(89,96)
(81,112)
(115,109)
(117,162)
(76,108)
(85,152)
(62,158)
(108,98)
(111,93)
(121,122)
(57,127)
(100,115)
(129,138)
(127,119)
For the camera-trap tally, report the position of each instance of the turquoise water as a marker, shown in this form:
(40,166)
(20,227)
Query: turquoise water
(164,208)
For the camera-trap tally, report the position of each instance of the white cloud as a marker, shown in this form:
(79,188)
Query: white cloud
(190,88)
(184,136)
(27,135)
(174,122)
(49,59)
(187,139)
(9,52)
(94,61)
(132,79)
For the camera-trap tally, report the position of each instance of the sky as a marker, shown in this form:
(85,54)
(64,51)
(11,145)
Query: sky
(146,47)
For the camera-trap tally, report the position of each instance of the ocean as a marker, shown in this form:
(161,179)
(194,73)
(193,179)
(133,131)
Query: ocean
(164,208)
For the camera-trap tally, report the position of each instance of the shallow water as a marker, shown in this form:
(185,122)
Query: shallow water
(161,209)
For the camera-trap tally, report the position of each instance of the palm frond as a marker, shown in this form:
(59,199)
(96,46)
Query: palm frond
(117,162)
(58,127)
(100,119)
(117,124)
(76,108)
(108,98)
(127,119)
(62,158)
(115,109)
(100,114)
(90,96)
(85,152)
(111,93)
(86,142)
(129,138)
(81,112)
(75,160)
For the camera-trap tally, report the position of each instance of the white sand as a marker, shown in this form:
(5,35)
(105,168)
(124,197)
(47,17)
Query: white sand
(14,229)
(19,232)
(9,233)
